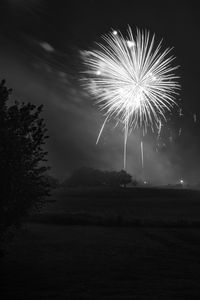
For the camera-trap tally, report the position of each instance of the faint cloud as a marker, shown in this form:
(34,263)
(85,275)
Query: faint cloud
(47,47)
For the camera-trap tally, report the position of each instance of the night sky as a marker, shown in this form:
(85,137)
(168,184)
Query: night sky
(40,49)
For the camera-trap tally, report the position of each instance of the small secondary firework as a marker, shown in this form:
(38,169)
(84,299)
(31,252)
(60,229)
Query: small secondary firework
(132,80)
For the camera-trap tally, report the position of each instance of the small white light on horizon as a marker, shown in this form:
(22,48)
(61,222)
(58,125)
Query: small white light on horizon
(115,32)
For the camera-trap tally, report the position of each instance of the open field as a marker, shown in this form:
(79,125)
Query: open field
(120,259)
(128,207)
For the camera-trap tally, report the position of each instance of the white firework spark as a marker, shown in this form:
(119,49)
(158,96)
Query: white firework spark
(132,80)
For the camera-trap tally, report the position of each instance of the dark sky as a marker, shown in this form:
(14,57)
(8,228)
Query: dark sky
(39,57)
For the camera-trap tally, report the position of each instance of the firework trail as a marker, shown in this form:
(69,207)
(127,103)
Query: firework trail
(142,153)
(159,129)
(180,112)
(132,81)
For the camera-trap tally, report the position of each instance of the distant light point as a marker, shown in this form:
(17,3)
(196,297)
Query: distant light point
(115,32)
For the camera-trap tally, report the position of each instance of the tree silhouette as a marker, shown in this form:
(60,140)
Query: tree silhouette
(86,176)
(22,157)
(123,178)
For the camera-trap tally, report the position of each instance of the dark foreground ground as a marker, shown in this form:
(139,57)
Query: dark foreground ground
(129,253)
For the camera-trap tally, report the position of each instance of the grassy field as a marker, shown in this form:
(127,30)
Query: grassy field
(128,253)
(128,207)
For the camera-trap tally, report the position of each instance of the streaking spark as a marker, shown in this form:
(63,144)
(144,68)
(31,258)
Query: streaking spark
(142,153)
(159,129)
(132,81)
(180,112)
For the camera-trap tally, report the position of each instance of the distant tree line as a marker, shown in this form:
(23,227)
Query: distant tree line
(90,177)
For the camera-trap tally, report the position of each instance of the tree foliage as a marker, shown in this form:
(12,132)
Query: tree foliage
(52,182)
(22,158)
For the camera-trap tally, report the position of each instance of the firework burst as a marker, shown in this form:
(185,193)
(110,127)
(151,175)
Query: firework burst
(132,81)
